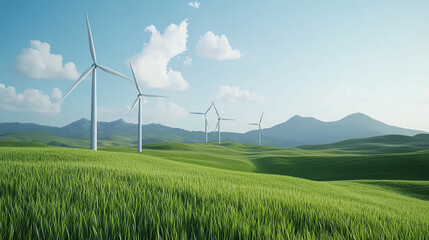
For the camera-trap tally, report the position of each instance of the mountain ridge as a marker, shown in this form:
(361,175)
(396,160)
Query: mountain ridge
(296,131)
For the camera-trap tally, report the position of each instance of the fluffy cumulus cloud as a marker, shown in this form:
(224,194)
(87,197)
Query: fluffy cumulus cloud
(194,4)
(38,62)
(216,47)
(235,94)
(151,65)
(30,100)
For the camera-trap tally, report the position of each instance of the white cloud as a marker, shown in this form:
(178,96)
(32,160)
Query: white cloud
(213,46)
(56,95)
(194,4)
(187,61)
(30,100)
(235,94)
(167,111)
(38,62)
(151,65)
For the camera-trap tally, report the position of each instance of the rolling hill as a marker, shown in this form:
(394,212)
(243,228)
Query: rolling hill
(295,132)
(329,164)
(380,144)
(320,165)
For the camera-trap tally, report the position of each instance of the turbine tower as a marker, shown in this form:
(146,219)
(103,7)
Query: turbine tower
(93,69)
(139,99)
(260,131)
(205,119)
(218,122)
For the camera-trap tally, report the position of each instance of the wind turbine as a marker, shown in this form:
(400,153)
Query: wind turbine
(139,99)
(93,69)
(205,118)
(218,122)
(260,129)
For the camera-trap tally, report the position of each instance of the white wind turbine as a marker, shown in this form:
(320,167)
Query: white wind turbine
(139,99)
(218,122)
(92,69)
(205,119)
(260,129)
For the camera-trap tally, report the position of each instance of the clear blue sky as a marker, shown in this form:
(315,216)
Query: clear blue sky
(324,59)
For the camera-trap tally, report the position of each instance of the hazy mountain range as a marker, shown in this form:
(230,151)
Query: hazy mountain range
(294,132)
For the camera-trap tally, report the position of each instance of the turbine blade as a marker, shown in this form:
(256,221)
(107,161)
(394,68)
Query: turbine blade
(83,76)
(253,123)
(215,109)
(91,42)
(262,130)
(108,70)
(260,120)
(198,113)
(135,80)
(217,125)
(149,95)
(134,105)
(228,119)
(209,108)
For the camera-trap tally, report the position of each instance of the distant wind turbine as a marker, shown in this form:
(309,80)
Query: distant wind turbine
(260,129)
(92,69)
(218,121)
(139,99)
(205,119)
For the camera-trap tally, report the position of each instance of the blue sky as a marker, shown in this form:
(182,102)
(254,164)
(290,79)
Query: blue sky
(324,59)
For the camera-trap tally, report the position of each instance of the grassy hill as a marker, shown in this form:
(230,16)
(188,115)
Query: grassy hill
(21,144)
(329,164)
(48,139)
(381,144)
(75,193)
(323,165)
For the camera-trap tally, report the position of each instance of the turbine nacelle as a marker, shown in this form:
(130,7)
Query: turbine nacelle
(205,119)
(219,120)
(140,94)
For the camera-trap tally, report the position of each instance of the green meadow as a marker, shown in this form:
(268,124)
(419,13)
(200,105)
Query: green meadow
(207,191)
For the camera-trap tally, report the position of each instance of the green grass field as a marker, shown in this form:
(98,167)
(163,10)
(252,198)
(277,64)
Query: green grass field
(194,191)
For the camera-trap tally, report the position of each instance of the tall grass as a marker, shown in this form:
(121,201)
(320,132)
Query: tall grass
(53,193)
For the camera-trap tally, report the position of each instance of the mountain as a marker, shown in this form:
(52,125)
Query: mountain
(310,131)
(296,131)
